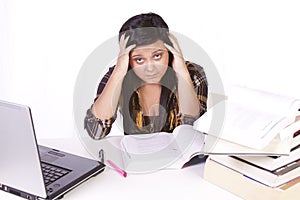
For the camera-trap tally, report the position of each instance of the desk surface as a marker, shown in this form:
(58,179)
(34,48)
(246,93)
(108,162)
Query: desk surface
(185,183)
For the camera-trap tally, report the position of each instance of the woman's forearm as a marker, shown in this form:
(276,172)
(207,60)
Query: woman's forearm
(106,104)
(188,101)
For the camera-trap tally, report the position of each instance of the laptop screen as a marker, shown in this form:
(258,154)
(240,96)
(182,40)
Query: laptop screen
(20,164)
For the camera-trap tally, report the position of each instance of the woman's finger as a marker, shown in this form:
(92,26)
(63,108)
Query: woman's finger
(129,48)
(174,42)
(170,48)
(123,41)
(174,51)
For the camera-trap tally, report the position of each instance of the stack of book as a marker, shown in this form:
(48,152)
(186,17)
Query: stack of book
(261,176)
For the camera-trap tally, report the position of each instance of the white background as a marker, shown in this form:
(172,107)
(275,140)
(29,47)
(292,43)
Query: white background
(43,45)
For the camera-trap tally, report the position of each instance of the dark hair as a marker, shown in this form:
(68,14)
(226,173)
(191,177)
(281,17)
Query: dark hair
(144,29)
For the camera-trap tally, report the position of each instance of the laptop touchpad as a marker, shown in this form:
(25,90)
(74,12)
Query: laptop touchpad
(48,158)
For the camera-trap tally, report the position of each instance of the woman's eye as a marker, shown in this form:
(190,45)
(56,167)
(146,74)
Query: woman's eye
(157,56)
(139,60)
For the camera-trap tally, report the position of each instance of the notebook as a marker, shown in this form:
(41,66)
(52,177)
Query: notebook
(33,171)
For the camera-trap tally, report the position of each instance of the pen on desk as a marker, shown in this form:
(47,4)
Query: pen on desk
(116,168)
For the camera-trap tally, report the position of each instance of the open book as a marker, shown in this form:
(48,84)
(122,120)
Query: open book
(254,118)
(150,152)
(161,150)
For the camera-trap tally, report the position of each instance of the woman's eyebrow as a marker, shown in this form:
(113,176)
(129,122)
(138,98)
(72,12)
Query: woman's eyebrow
(140,55)
(136,55)
(157,51)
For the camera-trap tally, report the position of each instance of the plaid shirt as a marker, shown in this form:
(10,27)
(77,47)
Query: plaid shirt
(136,123)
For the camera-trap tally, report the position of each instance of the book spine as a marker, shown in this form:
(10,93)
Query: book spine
(238,184)
(259,174)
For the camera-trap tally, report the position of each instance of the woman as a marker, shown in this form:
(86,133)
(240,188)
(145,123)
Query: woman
(153,86)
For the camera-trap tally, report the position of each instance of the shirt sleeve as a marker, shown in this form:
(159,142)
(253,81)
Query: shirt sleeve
(99,128)
(199,80)
(103,81)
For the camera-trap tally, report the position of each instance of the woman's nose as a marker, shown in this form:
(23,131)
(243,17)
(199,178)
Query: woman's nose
(149,67)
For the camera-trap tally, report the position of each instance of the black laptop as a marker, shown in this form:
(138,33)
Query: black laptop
(33,171)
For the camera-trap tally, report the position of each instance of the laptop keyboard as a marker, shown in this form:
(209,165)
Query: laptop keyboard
(52,173)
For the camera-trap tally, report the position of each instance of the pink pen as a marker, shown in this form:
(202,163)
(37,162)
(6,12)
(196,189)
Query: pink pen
(116,168)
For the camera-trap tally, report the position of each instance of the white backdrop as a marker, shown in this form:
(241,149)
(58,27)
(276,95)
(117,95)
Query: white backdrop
(43,45)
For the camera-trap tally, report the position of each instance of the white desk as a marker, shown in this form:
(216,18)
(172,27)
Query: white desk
(181,184)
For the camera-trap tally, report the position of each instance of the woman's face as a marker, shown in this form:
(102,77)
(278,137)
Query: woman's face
(150,62)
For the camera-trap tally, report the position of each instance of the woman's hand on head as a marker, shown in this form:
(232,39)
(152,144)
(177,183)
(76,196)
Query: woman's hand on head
(123,58)
(178,61)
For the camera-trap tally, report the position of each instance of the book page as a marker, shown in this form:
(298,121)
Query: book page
(172,150)
(251,127)
(252,117)
(244,125)
(149,152)
(218,146)
(148,143)
(190,142)
(265,101)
